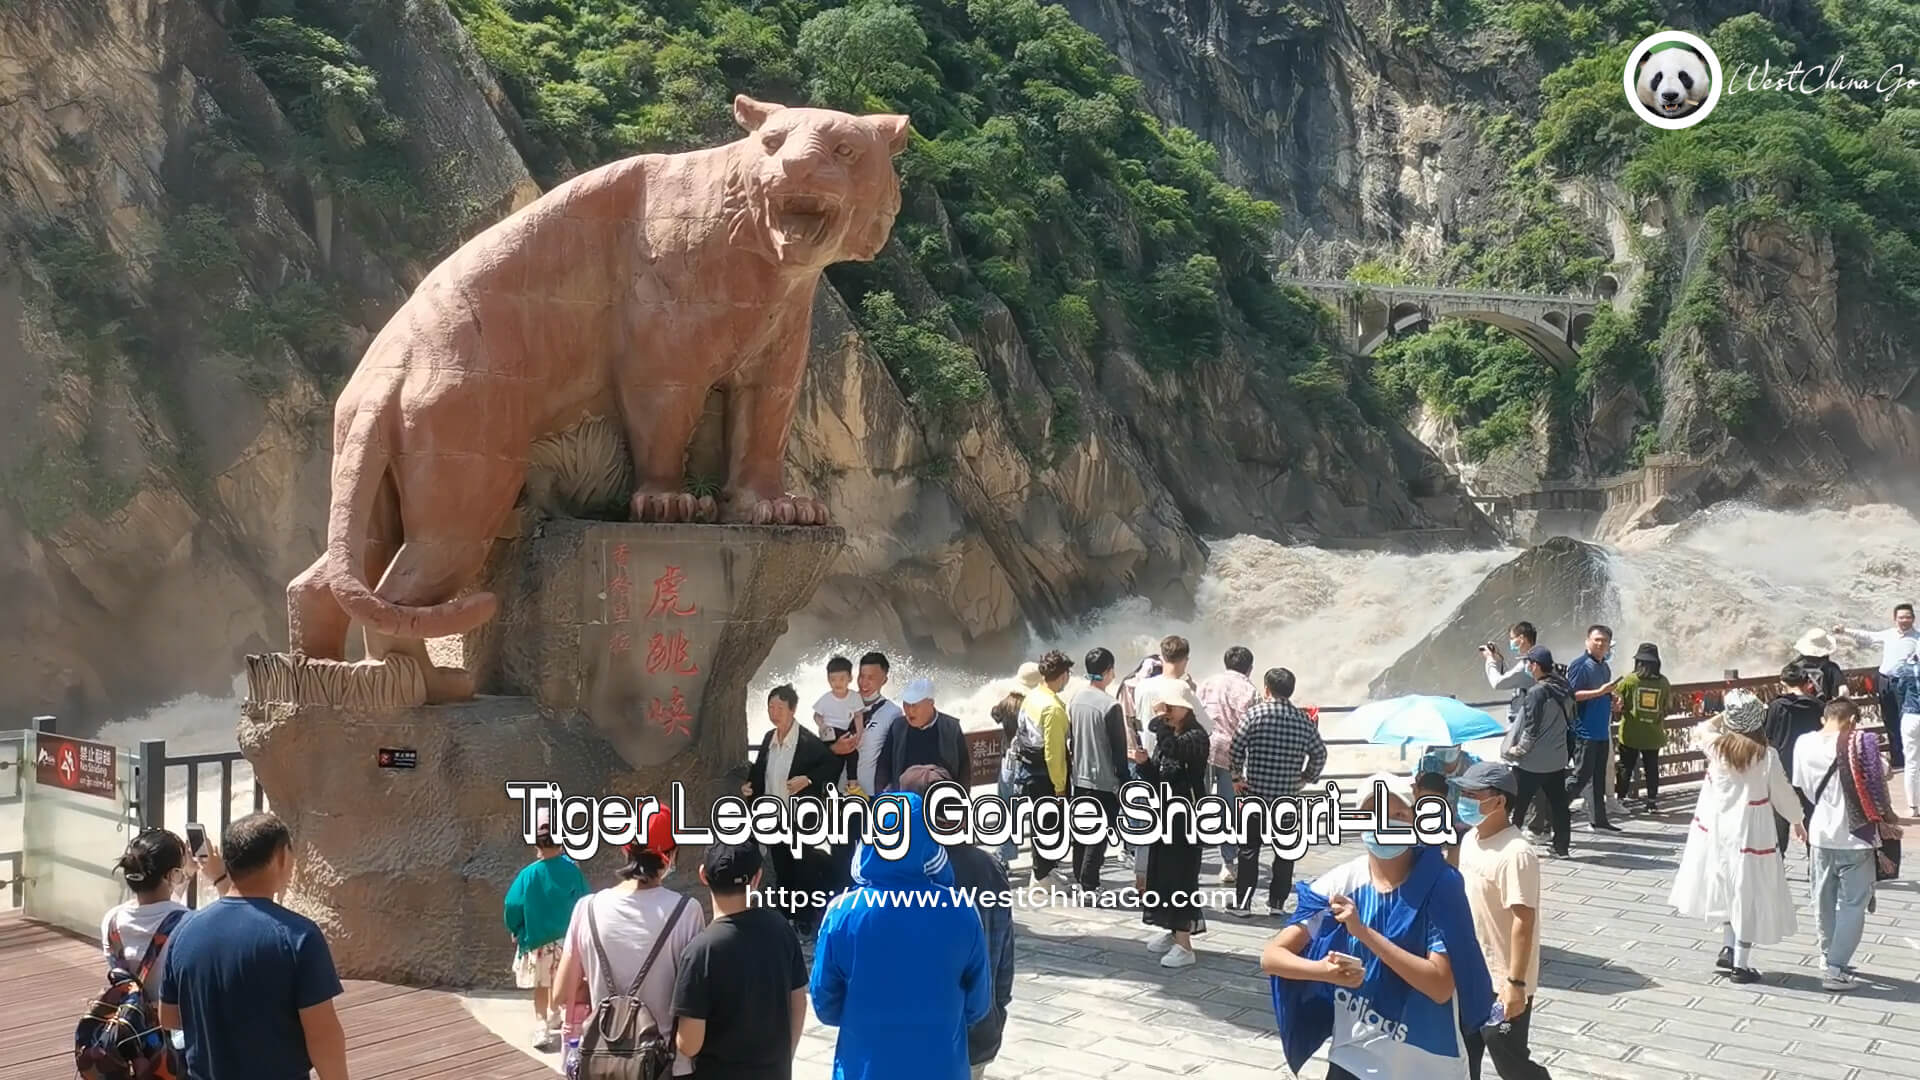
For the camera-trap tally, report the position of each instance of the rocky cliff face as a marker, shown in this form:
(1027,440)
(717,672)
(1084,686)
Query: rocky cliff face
(1838,404)
(1387,136)
(169,469)
(1326,107)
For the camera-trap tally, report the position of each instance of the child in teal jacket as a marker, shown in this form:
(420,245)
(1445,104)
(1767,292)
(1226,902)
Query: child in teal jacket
(538,908)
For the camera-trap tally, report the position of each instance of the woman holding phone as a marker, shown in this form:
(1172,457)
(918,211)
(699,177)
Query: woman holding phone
(155,866)
(1380,957)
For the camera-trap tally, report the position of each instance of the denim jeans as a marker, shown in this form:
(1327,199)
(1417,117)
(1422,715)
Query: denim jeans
(1223,787)
(1007,791)
(1842,885)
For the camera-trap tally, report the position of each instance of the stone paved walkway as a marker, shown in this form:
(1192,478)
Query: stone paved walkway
(1629,992)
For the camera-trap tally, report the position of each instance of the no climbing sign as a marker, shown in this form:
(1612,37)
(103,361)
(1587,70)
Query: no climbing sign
(90,768)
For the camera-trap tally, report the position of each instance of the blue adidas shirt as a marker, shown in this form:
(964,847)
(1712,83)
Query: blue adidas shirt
(240,970)
(1385,1029)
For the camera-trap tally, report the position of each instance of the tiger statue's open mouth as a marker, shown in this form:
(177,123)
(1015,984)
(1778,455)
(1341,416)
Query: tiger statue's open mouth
(804,222)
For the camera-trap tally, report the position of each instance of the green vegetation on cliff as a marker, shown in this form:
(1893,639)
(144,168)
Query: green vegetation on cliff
(1842,166)
(210,289)
(1035,178)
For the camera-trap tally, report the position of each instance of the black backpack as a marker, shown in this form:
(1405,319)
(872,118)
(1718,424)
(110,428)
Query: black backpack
(120,1037)
(624,1040)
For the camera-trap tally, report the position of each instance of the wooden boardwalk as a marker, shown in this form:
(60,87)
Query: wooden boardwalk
(48,976)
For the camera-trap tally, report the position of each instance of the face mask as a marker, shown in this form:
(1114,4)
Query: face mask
(1385,851)
(1469,814)
(1513,647)
(1607,659)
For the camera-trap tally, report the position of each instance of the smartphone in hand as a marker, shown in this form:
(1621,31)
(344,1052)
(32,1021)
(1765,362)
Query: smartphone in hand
(197,839)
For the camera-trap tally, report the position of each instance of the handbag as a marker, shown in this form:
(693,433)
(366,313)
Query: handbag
(624,1040)
(1886,861)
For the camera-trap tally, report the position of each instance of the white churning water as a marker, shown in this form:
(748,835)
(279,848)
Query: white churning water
(1729,588)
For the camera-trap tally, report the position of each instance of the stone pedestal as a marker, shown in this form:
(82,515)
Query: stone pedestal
(653,631)
(406,869)
(618,664)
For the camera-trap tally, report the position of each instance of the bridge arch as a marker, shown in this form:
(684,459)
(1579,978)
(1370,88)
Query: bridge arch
(1547,337)
(1549,325)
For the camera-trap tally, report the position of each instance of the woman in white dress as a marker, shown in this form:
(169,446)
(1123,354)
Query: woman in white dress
(1733,872)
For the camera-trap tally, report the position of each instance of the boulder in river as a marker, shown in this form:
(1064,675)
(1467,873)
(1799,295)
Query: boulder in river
(1562,587)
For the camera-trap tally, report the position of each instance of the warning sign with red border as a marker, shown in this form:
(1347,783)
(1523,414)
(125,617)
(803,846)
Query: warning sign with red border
(90,768)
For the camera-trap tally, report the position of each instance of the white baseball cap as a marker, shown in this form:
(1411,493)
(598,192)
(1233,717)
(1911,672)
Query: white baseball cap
(1400,787)
(917,691)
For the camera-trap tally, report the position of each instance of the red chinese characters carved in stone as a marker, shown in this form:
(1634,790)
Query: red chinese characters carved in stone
(666,594)
(668,652)
(671,716)
(620,589)
(620,644)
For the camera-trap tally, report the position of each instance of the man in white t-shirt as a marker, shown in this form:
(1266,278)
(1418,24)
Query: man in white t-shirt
(1843,863)
(879,715)
(1899,644)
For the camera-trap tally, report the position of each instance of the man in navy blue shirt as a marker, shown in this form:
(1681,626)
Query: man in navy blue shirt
(1592,684)
(249,983)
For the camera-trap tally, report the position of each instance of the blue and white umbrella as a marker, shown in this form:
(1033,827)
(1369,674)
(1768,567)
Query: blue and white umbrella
(1426,719)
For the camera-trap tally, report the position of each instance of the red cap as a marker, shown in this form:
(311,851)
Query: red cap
(659,834)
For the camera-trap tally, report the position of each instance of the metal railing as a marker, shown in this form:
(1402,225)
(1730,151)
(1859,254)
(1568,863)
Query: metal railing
(1442,293)
(1680,763)
(155,767)
(13,758)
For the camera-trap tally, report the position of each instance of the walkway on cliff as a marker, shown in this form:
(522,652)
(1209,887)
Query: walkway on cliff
(48,977)
(1629,990)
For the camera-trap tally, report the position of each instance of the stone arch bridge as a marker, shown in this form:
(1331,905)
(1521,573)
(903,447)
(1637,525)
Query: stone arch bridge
(1552,326)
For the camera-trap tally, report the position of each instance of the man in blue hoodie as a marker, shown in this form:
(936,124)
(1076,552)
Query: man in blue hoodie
(901,962)
(977,873)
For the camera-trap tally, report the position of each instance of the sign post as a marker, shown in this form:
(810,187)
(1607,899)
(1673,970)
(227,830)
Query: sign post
(91,768)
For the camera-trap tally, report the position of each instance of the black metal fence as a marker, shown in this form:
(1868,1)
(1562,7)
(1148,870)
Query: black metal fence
(153,770)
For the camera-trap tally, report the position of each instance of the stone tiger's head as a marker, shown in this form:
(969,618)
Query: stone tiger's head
(814,186)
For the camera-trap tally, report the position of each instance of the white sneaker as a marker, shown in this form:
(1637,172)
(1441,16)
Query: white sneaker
(1178,957)
(1226,875)
(1838,984)
(1161,942)
(542,1037)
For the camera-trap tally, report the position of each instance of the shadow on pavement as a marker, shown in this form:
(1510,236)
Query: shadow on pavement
(1564,969)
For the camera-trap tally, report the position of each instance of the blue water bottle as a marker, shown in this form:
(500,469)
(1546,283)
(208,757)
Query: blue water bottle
(570,1060)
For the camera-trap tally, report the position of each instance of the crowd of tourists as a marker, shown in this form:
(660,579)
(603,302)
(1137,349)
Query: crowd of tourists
(1404,961)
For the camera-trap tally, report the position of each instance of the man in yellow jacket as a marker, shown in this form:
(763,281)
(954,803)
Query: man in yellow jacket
(1043,741)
